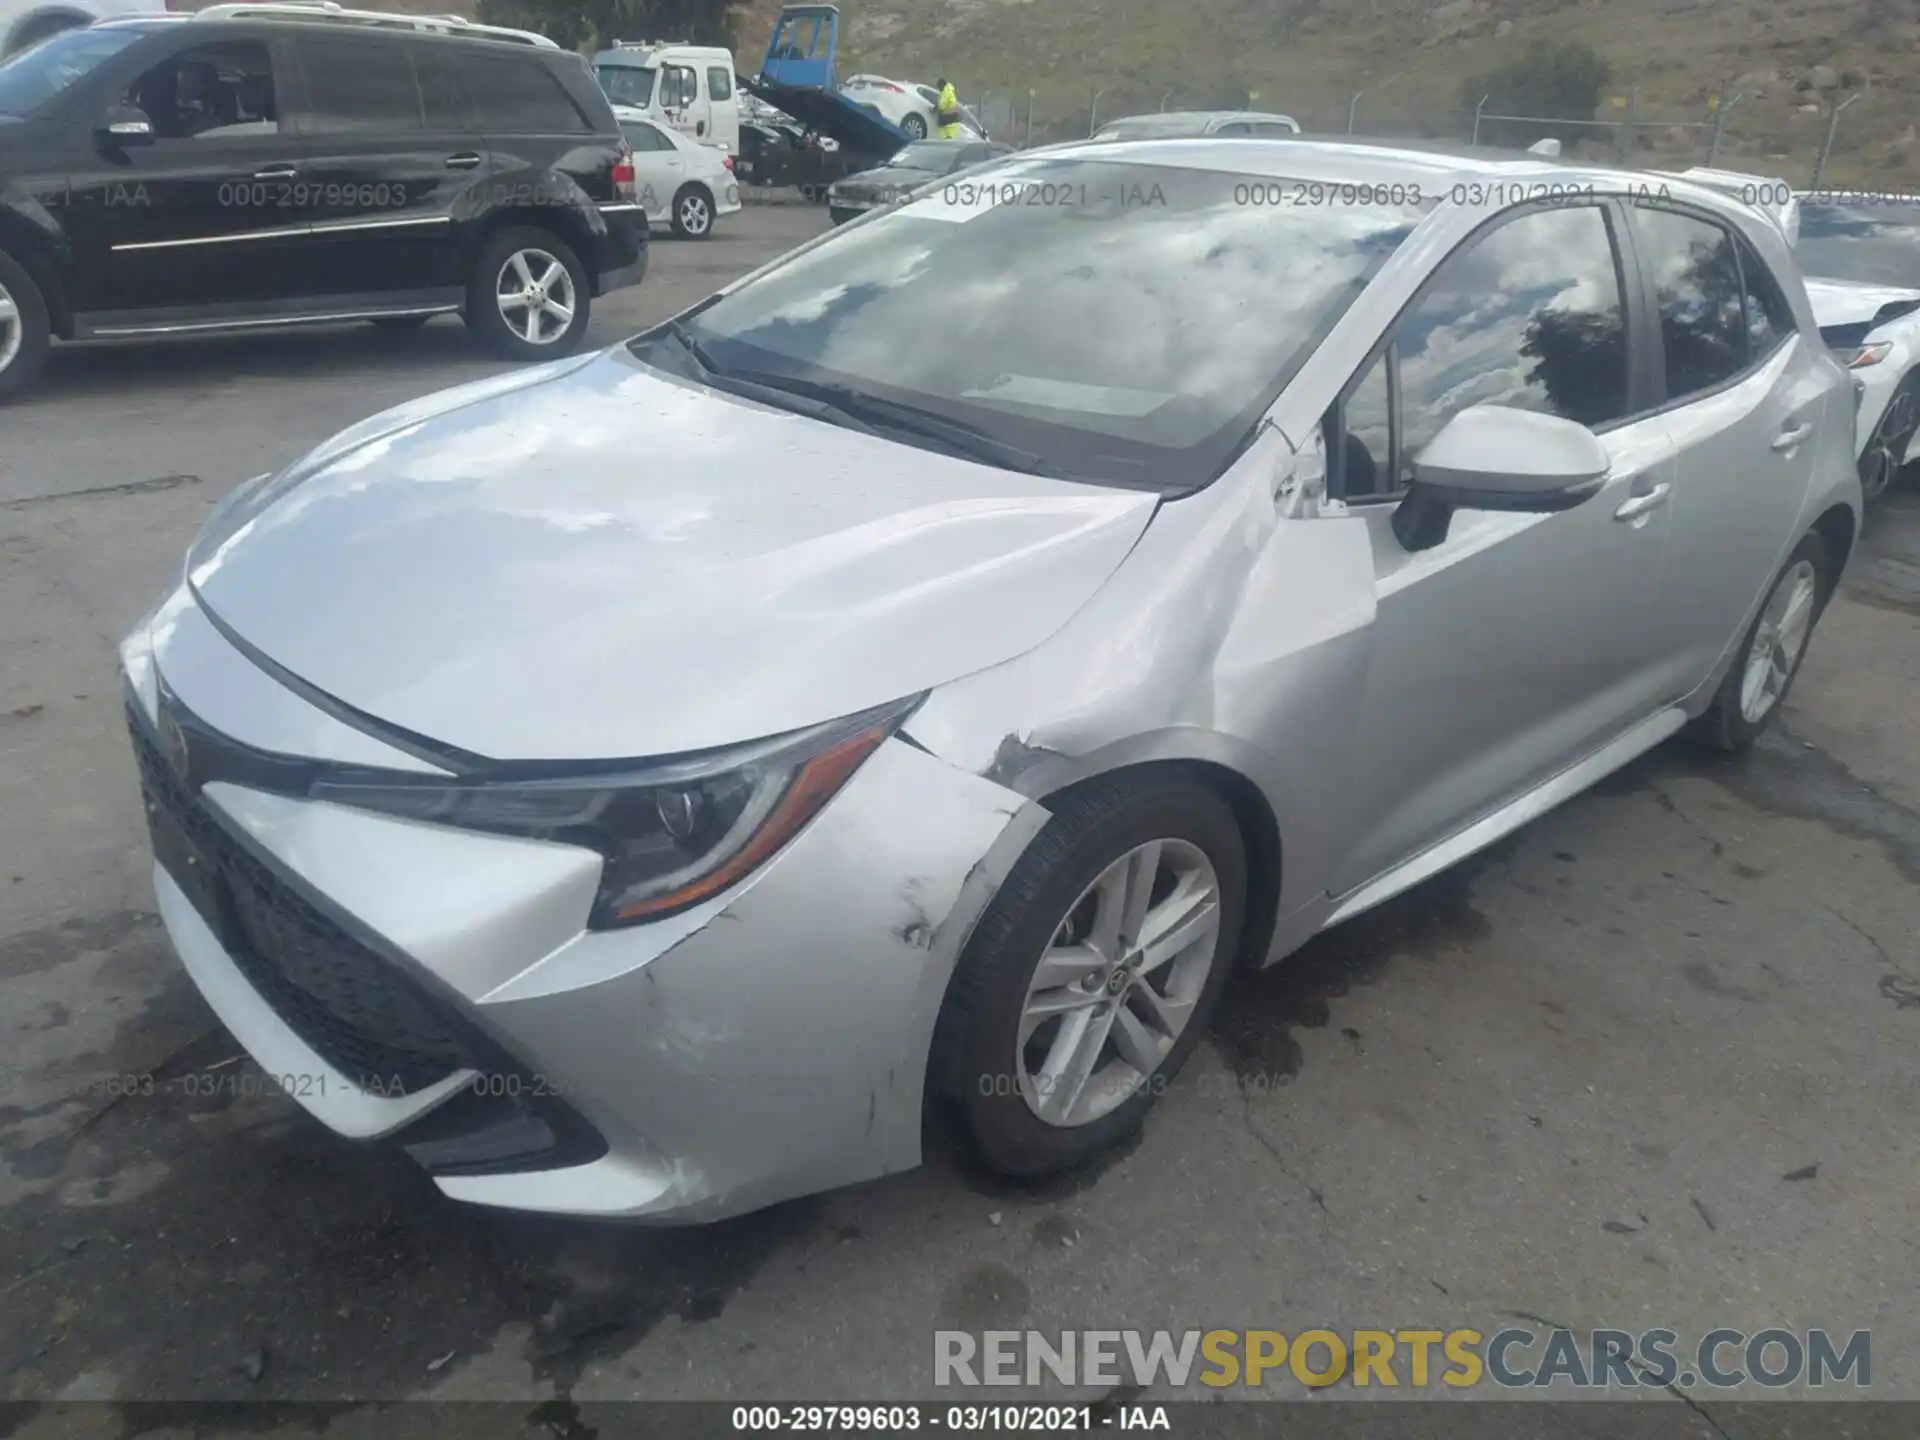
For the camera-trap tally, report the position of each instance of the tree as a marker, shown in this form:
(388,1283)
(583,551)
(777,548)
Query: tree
(598,23)
(1552,82)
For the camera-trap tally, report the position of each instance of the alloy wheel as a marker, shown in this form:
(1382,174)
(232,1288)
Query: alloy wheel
(536,297)
(1778,642)
(1119,982)
(696,216)
(13,328)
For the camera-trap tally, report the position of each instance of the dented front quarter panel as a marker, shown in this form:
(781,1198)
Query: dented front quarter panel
(1229,636)
(776,1043)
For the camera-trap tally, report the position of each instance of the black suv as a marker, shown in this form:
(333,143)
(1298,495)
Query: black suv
(254,166)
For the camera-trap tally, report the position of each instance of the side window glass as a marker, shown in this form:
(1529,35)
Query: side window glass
(1529,315)
(1365,448)
(1234,127)
(1769,317)
(217,91)
(440,97)
(354,85)
(1697,276)
(518,96)
(719,82)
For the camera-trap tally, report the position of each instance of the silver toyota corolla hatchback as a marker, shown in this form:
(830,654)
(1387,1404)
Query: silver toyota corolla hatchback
(911,680)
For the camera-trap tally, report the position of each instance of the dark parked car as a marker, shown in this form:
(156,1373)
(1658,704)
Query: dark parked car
(257,166)
(781,153)
(921,162)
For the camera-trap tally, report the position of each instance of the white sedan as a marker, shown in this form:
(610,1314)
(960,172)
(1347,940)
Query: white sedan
(677,180)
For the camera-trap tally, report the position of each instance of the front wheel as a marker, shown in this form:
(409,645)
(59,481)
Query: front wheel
(1763,671)
(24,329)
(529,297)
(1091,976)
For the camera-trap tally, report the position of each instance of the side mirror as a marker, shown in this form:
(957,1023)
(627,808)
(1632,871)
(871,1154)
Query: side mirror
(1494,457)
(125,125)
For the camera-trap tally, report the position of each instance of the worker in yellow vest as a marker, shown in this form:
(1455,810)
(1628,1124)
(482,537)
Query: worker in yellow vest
(949,112)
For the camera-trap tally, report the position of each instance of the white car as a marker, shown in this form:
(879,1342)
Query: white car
(678,181)
(28,22)
(1859,255)
(914,107)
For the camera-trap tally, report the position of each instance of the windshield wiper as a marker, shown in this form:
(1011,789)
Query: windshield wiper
(753,387)
(955,435)
(857,410)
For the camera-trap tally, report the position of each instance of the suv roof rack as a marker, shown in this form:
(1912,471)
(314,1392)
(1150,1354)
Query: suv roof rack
(332,12)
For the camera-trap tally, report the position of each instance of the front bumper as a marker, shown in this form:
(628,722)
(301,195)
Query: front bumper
(768,1044)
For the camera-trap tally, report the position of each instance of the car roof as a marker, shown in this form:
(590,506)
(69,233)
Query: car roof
(1351,159)
(1194,117)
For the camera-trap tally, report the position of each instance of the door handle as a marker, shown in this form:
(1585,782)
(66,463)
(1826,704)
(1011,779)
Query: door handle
(1787,439)
(466,160)
(700,128)
(1635,506)
(280,172)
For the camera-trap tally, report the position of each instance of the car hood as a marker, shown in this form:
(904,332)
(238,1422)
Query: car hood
(590,560)
(1853,302)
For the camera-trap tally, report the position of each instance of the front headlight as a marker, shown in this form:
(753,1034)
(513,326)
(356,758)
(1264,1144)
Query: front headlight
(1862,356)
(672,835)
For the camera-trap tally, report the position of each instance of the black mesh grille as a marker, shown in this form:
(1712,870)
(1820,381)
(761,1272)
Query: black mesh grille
(357,1009)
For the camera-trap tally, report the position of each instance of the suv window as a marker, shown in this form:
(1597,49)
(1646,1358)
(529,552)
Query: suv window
(31,78)
(1234,127)
(1274,127)
(1769,317)
(719,82)
(518,95)
(360,85)
(214,91)
(1528,315)
(1697,278)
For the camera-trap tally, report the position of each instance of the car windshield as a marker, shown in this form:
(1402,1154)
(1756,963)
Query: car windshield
(1867,240)
(1129,330)
(935,158)
(36,75)
(626,84)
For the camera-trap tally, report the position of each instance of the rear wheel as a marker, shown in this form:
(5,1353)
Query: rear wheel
(1769,659)
(693,213)
(529,297)
(916,126)
(1091,976)
(24,331)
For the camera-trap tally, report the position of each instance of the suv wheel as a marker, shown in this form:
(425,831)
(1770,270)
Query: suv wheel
(693,213)
(530,296)
(23,327)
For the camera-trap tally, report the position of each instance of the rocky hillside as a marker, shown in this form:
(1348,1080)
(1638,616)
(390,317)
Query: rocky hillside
(1791,61)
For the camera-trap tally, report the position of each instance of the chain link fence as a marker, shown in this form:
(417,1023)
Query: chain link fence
(1860,138)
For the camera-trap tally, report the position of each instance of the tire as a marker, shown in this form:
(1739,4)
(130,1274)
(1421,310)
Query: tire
(24,331)
(400,322)
(916,126)
(1881,461)
(981,1073)
(693,212)
(541,251)
(1742,709)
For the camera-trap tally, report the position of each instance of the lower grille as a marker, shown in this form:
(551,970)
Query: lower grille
(356,1008)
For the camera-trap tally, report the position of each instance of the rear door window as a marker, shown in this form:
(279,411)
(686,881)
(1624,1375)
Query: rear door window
(1769,317)
(360,86)
(517,95)
(1696,273)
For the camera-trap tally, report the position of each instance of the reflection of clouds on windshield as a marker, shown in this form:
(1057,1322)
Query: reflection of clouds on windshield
(1187,296)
